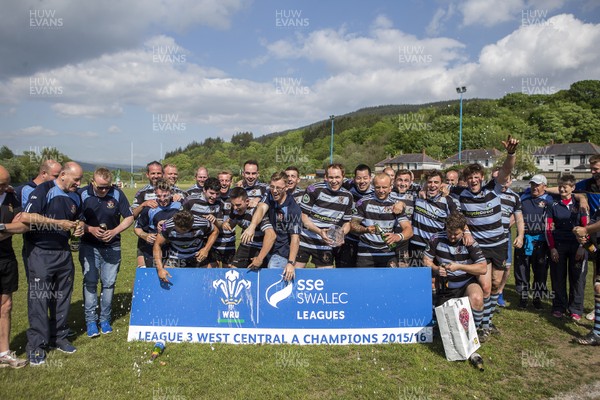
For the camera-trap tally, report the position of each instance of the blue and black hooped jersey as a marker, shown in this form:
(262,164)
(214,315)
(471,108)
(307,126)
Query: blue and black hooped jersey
(372,211)
(483,211)
(244,221)
(429,218)
(185,245)
(324,207)
(441,251)
(511,204)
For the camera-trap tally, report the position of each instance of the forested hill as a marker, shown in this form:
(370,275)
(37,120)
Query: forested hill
(371,134)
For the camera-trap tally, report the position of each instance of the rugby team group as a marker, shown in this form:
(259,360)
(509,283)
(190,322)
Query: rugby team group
(456,223)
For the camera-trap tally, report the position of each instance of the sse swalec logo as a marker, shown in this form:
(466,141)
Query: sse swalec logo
(278,295)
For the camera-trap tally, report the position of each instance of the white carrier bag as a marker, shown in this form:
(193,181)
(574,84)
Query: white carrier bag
(457,329)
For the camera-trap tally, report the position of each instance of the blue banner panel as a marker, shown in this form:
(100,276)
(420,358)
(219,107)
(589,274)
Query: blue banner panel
(321,306)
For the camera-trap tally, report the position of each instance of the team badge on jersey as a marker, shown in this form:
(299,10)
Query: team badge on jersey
(73,209)
(542,204)
(305,198)
(110,204)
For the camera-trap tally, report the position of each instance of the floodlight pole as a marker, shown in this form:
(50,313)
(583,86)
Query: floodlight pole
(332,118)
(460,90)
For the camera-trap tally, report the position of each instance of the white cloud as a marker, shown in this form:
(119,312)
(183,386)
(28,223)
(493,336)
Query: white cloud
(559,47)
(492,12)
(89,29)
(440,17)
(384,48)
(88,111)
(489,12)
(114,129)
(37,130)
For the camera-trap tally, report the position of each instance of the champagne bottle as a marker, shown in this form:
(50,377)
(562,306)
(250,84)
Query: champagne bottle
(75,240)
(382,233)
(589,246)
(158,349)
(477,361)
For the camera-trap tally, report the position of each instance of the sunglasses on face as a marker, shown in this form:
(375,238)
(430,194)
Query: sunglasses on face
(100,187)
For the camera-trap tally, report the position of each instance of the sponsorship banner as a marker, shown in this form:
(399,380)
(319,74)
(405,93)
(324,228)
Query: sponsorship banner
(321,306)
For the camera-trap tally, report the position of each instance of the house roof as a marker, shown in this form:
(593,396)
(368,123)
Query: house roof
(563,149)
(383,162)
(411,158)
(475,154)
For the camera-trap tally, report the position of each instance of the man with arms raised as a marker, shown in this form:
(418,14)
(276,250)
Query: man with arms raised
(482,206)
(511,213)
(52,211)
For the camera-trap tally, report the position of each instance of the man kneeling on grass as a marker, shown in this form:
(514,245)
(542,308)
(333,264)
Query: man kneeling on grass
(456,266)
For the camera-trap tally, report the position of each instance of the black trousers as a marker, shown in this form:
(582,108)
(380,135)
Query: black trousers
(536,262)
(50,285)
(575,271)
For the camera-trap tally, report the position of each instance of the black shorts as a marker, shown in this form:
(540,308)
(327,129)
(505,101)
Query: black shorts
(321,258)
(375,261)
(225,257)
(348,254)
(446,294)
(243,256)
(9,275)
(496,256)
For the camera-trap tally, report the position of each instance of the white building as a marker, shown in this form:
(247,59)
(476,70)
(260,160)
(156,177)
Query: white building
(485,157)
(411,161)
(566,157)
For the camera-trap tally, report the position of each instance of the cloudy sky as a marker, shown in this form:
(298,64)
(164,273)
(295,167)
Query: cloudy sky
(93,77)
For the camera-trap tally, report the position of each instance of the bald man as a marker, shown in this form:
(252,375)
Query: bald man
(53,210)
(49,170)
(9,271)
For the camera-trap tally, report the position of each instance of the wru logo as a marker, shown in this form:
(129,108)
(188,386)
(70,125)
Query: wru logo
(231,287)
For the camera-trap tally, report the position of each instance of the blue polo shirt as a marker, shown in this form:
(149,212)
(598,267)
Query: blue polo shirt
(534,212)
(50,201)
(286,219)
(108,210)
(24,191)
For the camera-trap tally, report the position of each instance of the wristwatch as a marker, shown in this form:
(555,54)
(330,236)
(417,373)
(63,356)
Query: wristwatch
(292,262)
(2,227)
